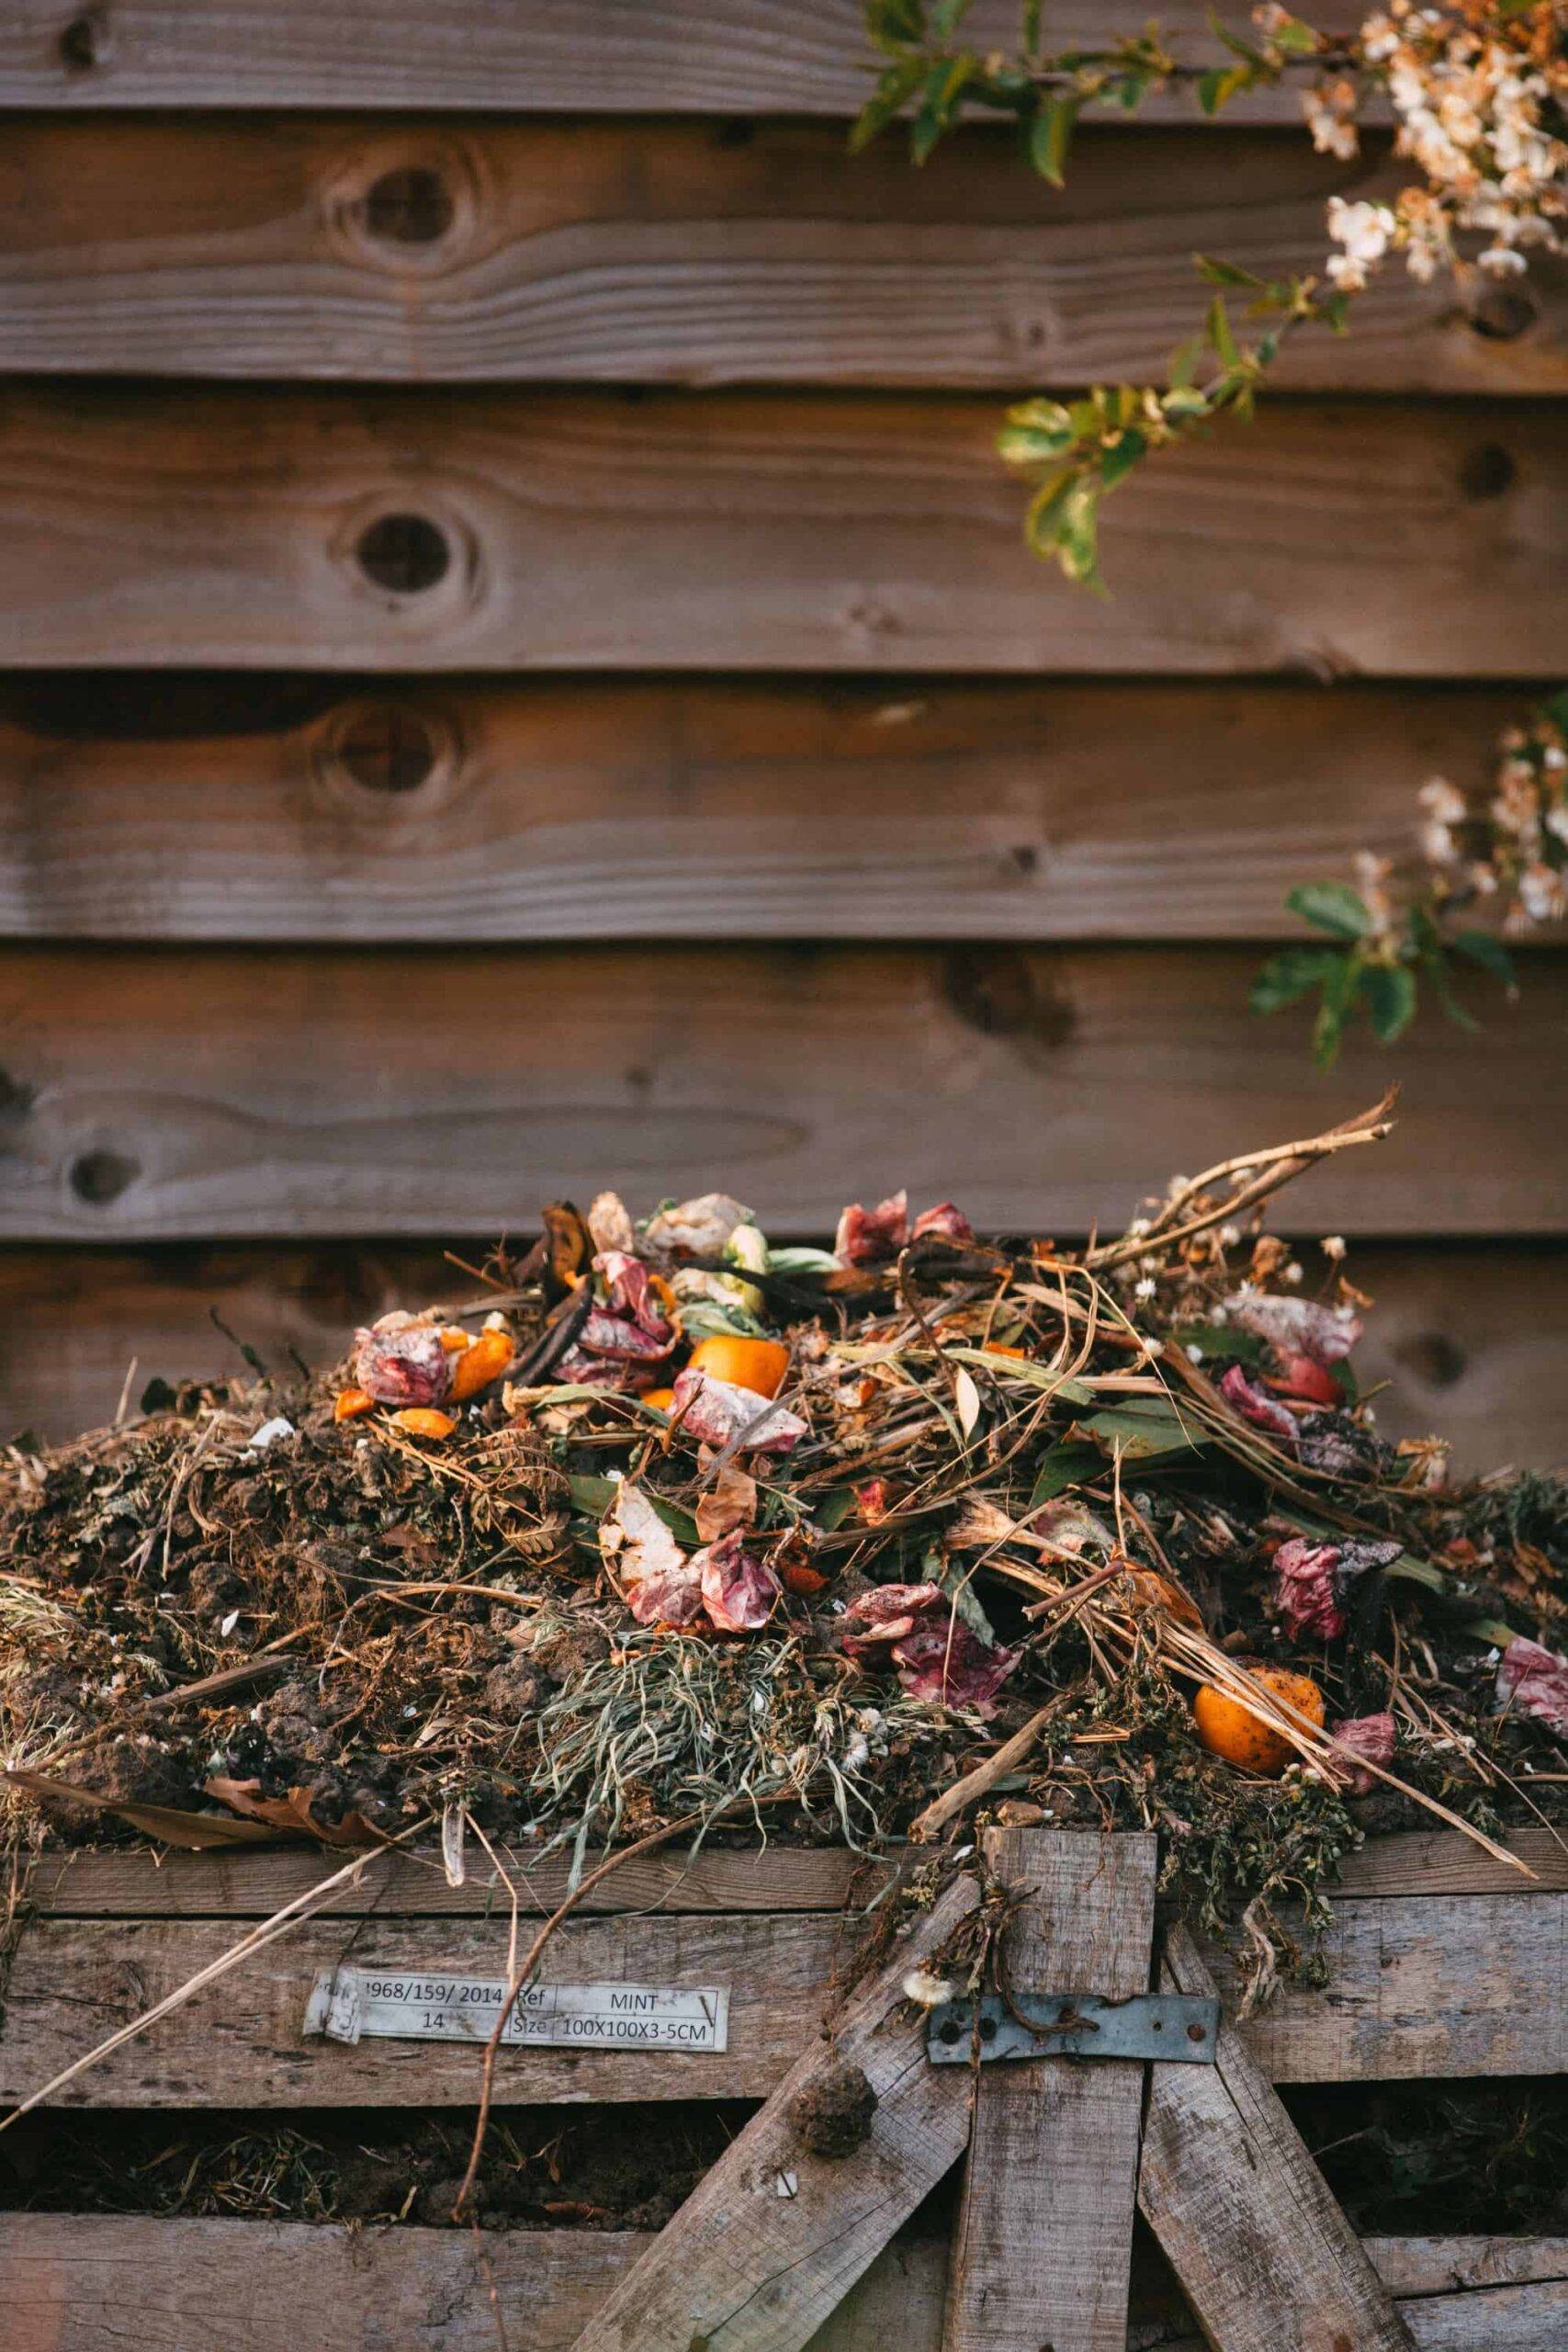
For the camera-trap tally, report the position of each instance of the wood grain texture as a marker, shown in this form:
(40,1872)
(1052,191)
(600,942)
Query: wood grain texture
(81,2285)
(1475,1988)
(1471,1987)
(1264,2255)
(1474,1338)
(324,528)
(687,253)
(660,56)
(135,1883)
(774,2236)
(240,2045)
(237,808)
(1043,2243)
(160,1094)
(85,2283)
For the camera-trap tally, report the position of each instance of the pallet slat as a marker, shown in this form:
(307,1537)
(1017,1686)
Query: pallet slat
(87,2283)
(325,528)
(1481,1994)
(154,1095)
(669,252)
(662,56)
(1474,1338)
(255,809)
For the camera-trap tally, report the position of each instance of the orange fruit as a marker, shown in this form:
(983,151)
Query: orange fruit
(757,1364)
(352,1403)
(453,1340)
(423,1421)
(1225,1728)
(479,1364)
(662,1399)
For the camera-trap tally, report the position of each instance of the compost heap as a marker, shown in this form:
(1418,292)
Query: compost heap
(673,1525)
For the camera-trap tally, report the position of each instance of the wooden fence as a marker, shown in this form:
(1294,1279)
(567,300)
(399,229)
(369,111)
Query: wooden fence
(523,671)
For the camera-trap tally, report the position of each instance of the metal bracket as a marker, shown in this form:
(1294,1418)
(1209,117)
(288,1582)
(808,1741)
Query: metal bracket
(1169,2026)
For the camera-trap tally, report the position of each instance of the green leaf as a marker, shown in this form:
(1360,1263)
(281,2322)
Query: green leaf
(1289,976)
(1389,992)
(1033,12)
(801,1259)
(947,16)
(1333,907)
(1146,1433)
(1295,38)
(1063,1465)
(1221,1339)
(894,89)
(1183,401)
(1121,457)
(833,1508)
(1036,445)
(1215,272)
(1051,135)
(1220,334)
(1489,952)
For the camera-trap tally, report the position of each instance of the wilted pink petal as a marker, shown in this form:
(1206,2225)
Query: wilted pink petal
(625,1341)
(740,1591)
(1368,1736)
(873,1500)
(1255,1404)
(1304,1377)
(1533,1681)
(719,1413)
(1297,1326)
(578,1369)
(1306,1591)
(632,1295)
(946,1222)
(887,1612)
(400,1361)
(661,1586)
(945,1660)
(870,1237)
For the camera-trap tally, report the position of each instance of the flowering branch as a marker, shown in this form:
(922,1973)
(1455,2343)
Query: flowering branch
(1405,924)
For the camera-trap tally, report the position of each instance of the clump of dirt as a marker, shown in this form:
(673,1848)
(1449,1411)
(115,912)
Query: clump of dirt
(833,2115)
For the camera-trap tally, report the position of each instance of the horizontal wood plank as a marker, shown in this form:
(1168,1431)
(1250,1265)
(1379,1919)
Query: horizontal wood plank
(660,56)
(686,252)
(156,1093)
(137,1883)
(237,808)
(1475,1990)
(323,527)
(85,2283)
(81,2285)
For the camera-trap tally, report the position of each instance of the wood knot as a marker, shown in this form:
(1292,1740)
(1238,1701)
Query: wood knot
(100,1177)
(1003,992)
(1434,1358)
(410,206)
(405,554)
(385,746)
(1487,470)
(84,41)
(1503,313)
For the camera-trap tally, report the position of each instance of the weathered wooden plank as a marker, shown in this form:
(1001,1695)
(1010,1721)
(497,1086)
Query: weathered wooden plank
(1264,2255)
(1044,2238)
(117,1882)
(73,2284)
(236,808)
(85,2283)
(158,1094)
(674,253)
(401,530)
(661,56)
(1475,1340)
(1475,1990)
(241,2044)
(773,2237)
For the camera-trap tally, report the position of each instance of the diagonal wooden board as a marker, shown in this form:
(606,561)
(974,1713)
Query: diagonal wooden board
(1264,2255)
(775,2236)
(1044,2235)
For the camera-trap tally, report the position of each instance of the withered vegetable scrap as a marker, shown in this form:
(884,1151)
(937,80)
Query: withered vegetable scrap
(674,1522)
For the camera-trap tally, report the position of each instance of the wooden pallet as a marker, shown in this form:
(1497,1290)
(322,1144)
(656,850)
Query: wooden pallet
(1444,1963)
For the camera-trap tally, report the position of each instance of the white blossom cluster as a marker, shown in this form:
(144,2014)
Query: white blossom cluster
(1519,843)
(1480,92)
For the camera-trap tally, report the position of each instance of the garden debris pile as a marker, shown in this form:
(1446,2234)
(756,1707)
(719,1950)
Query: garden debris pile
(672,1524)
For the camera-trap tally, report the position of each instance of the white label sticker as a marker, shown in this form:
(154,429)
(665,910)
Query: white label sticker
(409,2004)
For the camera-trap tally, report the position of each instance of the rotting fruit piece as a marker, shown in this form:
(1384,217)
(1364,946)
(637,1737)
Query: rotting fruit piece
(352,1404)
(1227,1728)
(757,1364)
(478,1365)
(423,1421)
